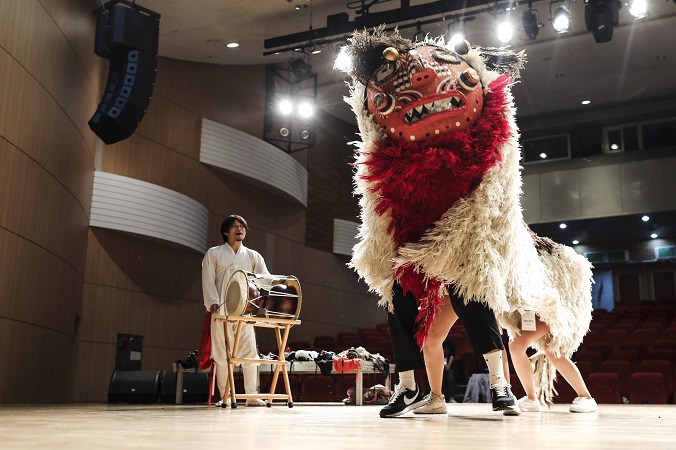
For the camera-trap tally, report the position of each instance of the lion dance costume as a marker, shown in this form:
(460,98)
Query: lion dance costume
(438,176)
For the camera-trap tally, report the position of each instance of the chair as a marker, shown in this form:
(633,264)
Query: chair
(646,336)
(383,328)
(661,366)
(585,368)
(340,337)
(593,357)
(662,353)
(615,337)
(647,388)
(623,371)
(317,388)
(669,334)
(631,356)
(605,349)
(564,392)
(605,387)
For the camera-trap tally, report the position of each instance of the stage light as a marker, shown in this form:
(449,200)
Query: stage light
(575,242)
(343,62)
(458,36)
(638,8)
(305,109)
(505,31)
(561,19)
(600,17)
(654,235)
(305,135)
(645,218)
(283,132)
(531,27)
(563,226)
(285,107)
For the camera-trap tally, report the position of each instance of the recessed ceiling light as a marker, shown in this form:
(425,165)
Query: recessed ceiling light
(586,102)
(232,45)
(575,242)
(543,155)
(563,226)
(645,218)
(654,235)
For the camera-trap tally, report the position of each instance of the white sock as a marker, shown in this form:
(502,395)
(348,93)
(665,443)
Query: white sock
(494,363)
(407,379)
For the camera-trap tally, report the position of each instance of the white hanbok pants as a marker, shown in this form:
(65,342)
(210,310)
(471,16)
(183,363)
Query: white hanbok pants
(245,349)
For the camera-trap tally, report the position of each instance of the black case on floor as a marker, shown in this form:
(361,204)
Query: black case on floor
(137,386)
(195,387)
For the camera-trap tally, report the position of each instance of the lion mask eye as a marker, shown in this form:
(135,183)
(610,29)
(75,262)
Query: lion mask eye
(446,56)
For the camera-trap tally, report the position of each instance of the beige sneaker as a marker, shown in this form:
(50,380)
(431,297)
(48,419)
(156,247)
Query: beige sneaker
(584,405)
(435,404)
(255,402)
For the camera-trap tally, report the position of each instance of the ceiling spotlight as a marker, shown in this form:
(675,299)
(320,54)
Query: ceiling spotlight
(563,226)
(305,109)
(561,19)
(654,235)
(638,8)
(543,155)
(600,16)
(284,132)
(458,36)
(645,218)
(505,31)
(285,107)
(575,242)
(529,19)
(305,135)
(585,102)
(232,45)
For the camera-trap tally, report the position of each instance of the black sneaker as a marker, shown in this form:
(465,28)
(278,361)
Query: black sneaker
(402,401)
(503,399)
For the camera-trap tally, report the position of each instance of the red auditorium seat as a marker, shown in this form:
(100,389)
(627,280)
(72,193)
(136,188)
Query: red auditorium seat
(645,336)
(631,356)
(615,337)
(661,366)
(605,349)
(669,334)
(585,368)
(294,383)
(593,357)
(605,387)
(662,353)
(647,388)
(317,388)
(622,369)
(298,345)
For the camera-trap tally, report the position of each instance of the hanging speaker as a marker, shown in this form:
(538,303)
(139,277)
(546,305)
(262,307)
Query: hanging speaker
(128,36)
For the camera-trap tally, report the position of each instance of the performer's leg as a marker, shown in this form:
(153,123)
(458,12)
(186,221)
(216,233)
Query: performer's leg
(434,358)
(486,339)
(407,355)
(247,349)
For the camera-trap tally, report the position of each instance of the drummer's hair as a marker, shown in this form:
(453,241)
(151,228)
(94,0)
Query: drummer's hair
(227,223)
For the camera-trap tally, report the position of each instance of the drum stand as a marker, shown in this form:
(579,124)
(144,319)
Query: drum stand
(282,328)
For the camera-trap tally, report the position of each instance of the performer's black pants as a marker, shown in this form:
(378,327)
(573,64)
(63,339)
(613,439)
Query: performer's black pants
(480,325)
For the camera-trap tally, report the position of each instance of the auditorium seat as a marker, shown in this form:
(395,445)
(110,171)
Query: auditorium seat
(317,388)
(631,356)
(622,369)
(605,387)
(645,336)
(661,366)
(594,357)
(647,388)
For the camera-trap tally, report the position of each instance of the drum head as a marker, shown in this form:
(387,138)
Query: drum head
(236,294)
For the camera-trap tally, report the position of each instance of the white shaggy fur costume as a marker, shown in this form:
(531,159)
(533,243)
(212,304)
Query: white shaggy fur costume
(481,245)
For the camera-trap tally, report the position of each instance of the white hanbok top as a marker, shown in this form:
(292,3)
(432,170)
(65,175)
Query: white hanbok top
(220,263)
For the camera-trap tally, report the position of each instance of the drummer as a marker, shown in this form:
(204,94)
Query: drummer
(218,265)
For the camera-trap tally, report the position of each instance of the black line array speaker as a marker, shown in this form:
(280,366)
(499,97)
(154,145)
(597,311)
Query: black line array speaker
(195,387)
(127,36)
(134,386)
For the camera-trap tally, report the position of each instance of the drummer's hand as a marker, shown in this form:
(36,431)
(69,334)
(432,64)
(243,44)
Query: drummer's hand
(213,309)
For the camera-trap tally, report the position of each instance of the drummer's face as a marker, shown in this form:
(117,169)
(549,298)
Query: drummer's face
(236,232)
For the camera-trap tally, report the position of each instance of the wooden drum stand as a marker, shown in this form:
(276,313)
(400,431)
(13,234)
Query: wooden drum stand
(282,328)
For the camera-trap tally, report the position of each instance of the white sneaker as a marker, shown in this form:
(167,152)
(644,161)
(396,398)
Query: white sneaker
(528,405)
(435,404)
(584,405)
(255,402)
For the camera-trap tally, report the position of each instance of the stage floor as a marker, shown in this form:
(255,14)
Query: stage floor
(324,426)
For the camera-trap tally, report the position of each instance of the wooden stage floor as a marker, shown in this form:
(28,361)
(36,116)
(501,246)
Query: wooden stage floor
(323,426)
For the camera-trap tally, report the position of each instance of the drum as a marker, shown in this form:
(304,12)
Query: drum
(262,295)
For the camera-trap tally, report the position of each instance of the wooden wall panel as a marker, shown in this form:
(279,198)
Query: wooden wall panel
(50,86)
(35,364)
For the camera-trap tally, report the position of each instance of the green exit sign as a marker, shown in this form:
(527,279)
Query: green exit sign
(665,252)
